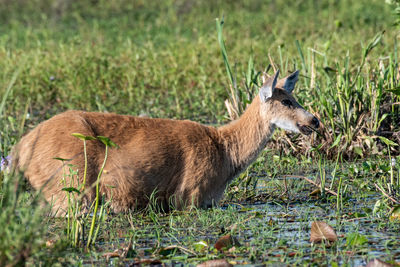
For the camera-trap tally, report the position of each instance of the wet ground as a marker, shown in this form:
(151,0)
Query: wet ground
(269,229)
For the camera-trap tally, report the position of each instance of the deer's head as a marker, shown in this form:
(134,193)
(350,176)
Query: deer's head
(280,107)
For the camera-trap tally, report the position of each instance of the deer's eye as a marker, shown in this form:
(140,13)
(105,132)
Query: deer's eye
(287,102)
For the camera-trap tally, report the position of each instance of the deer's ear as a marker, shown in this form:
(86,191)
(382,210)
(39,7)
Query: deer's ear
(289,82)
(268,88)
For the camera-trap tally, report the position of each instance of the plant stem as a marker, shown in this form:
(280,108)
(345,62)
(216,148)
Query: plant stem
(339,195)
(90,241)
(391,167)
(85,171)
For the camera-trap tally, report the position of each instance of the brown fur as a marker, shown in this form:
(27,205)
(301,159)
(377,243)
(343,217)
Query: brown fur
(180,161)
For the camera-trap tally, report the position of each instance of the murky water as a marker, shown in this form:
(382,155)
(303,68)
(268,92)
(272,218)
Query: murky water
(275,232)
(293,224)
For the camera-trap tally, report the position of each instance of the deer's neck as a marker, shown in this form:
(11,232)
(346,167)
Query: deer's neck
(246,137)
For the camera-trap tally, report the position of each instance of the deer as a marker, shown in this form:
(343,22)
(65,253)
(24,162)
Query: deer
(180,163)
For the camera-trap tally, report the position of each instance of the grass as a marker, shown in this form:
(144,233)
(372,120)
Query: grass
(23,227)
(163,59)
(272,224)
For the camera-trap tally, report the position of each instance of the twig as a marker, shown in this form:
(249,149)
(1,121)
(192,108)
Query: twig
(386,195)
(312,182)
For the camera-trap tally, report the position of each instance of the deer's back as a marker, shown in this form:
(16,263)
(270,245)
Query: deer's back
(183,159)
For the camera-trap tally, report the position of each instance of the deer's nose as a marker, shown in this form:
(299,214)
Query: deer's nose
(315,122)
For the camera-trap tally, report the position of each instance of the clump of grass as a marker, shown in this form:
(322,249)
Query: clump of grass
(78,212)
(390,186)
(349,103)
(23,226)
(239,97)
(357,105)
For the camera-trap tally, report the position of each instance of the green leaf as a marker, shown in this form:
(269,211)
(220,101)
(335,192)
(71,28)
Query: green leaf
(355,239)
(303,62)
(395,215)
(200,246)
(387,141)
(337,141)
(83,137)
(8,90)
(107,141)
(382,118)
(377,207)
(171,250)
(223,51)
(61,159)
(71,189)
(250,71)
(358,151)
(395,91)
(179,258)
(373,43)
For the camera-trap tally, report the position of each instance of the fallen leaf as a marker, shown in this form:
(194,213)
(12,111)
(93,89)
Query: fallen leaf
(322,231)
(226,241)
(378,263)
(215,263)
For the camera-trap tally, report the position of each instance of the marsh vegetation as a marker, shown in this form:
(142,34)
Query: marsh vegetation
(163,59)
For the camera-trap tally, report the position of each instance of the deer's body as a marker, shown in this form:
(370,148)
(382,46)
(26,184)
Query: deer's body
(180,162)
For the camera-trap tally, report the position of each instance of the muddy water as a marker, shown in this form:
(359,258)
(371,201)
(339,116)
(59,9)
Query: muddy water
(293,222)
(272,232)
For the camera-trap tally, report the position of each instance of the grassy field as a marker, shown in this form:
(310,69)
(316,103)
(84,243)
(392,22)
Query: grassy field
(163,59)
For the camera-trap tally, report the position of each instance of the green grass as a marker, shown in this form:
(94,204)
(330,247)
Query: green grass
(163,58)
(165,61)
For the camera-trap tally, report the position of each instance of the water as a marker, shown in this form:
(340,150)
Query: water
(273,232)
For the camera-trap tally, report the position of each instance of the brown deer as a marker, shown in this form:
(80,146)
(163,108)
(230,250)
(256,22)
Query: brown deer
(180,162)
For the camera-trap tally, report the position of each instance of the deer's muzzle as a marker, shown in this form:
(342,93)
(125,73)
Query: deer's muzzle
(308,129)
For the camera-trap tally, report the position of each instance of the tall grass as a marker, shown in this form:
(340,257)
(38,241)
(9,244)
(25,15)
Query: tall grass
(23,226)
(356,105)
(126,57)
(80,212)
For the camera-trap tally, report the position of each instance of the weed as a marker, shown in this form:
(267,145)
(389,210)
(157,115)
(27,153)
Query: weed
(24,224)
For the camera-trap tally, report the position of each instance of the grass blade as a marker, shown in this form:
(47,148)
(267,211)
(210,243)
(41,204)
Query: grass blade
(223,51)
(8,90)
